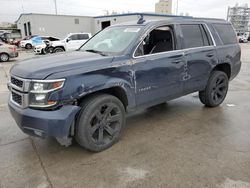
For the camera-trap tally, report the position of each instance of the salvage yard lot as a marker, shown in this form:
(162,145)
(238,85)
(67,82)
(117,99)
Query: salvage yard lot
(177,144)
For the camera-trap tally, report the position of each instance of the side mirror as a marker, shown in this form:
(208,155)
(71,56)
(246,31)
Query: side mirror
(68,39)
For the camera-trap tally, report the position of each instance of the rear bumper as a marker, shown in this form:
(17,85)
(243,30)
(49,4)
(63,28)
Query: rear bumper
(44,123)
(13,54)
(235,70)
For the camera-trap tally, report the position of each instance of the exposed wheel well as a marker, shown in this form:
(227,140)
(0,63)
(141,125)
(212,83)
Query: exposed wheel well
(225,67)
(115,91)
(62,47)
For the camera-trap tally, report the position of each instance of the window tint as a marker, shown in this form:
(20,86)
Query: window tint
(194,36)
(83,36)
(74,37)
(226,33)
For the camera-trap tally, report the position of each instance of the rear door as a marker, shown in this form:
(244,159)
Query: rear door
(200,55)
(82,38)
(228,48)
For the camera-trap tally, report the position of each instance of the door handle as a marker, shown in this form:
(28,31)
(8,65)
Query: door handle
(177,61)
(210,55)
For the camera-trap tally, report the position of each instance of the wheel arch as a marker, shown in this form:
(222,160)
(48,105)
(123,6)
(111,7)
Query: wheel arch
(116,91)
(224,67)
(54,47)
(27,44)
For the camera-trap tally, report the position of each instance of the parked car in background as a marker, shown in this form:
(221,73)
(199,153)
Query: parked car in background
(36,40)
(86,93)
(42,42)
(12,38)
(44,48)
(7,51)
(245,37)
(71,42)
(27,42)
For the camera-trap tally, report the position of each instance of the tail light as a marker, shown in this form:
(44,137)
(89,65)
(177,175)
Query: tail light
(13,49)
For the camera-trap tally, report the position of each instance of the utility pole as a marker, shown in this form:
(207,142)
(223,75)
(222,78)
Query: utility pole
(177,7)
(55,6)
(22,6)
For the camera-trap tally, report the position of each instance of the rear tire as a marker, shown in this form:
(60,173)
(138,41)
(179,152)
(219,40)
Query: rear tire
(216,89)
(58,49)
(4,57)
(28,46)
(100,122)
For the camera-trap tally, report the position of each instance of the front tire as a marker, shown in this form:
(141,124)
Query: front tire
(100,122)
(216,89)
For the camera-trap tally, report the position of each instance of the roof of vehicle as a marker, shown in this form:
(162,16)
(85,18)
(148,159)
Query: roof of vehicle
(175,20)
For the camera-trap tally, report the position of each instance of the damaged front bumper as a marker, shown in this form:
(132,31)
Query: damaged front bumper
(44,124)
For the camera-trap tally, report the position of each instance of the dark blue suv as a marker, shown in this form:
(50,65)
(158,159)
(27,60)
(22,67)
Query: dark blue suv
(86,93)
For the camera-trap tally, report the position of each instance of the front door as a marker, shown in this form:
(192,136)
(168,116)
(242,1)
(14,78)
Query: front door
(158,68)
(158,77)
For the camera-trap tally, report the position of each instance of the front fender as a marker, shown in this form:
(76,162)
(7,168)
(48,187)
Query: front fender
(124,85)
(78,86)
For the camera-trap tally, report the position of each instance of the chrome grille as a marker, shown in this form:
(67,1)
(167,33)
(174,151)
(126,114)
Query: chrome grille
(16,82)
(16,98)
(19,88)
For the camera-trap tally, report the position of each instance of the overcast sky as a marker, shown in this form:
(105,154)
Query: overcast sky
(11,9)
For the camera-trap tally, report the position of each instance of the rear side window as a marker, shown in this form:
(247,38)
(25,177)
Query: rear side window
(194,36)
(226,33)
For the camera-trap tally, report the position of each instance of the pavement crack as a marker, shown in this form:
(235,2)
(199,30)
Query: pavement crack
(13,143)
(41,162)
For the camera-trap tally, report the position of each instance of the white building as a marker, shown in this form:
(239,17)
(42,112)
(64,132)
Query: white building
(60,25)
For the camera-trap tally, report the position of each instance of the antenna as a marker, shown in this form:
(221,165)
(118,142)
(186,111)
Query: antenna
(141,20)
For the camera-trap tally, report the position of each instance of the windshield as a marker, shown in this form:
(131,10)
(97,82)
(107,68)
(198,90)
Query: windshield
(112,40)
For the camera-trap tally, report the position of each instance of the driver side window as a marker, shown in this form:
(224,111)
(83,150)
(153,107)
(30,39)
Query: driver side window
(159,40)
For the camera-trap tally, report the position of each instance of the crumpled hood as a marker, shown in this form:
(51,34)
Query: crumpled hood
(42,67)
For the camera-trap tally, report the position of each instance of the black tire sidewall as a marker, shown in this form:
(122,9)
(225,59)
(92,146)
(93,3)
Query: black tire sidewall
(28,46)
(82,134)
(206,97)
(58,50)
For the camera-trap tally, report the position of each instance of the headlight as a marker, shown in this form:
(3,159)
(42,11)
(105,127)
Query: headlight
(40,90)
(46,86)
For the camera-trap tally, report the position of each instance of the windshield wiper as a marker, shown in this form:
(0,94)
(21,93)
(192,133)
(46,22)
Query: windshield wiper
(96,51)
